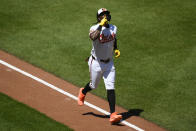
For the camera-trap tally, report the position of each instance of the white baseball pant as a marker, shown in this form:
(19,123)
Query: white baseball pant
(99,69)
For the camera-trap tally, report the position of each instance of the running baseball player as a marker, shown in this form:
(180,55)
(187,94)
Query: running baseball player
(101,65)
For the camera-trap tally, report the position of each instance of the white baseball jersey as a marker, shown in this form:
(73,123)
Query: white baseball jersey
(102,50)
(104,45)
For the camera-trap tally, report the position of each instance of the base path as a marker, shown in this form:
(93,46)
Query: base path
(57,99)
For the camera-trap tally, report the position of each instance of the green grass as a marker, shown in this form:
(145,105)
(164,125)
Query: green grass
(156,69)
(15,116)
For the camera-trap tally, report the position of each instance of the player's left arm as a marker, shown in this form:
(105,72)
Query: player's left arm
(116,51)
(115,44)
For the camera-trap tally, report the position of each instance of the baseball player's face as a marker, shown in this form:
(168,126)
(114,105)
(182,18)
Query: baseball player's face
(105,15)
(102,16)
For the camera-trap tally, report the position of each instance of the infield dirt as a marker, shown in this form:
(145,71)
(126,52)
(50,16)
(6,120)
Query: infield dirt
(58,106)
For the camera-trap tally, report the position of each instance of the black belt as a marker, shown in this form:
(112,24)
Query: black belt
(104,61)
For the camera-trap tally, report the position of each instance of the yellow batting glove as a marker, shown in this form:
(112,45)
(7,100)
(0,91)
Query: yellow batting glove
(117,52)
(103,21)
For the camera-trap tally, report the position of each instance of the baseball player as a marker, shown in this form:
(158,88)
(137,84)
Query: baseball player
(101,65)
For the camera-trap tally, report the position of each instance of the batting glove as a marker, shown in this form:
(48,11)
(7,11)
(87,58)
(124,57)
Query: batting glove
(117,52)
(103,21)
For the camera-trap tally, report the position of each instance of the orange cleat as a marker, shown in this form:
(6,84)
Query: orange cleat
(81,97)
(115,118)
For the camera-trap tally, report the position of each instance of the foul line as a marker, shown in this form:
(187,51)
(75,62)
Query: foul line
(65,93)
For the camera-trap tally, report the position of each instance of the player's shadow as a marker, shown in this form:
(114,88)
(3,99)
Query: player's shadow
(131,112)
(125,115)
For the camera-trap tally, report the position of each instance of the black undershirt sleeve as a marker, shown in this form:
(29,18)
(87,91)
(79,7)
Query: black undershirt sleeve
(99,28)
(115,44)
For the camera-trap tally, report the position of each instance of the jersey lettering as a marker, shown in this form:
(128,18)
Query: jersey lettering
(106,38)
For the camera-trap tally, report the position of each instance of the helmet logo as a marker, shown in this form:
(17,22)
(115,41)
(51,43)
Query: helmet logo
(104,9)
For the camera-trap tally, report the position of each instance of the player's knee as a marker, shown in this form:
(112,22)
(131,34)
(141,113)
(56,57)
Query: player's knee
(109,85)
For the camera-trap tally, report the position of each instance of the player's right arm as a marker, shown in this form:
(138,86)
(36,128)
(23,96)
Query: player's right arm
(95,34)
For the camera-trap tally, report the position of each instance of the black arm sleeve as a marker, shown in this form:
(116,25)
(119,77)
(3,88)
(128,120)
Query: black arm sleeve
(115,44)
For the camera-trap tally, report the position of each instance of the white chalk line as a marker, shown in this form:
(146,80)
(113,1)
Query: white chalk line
(65,93)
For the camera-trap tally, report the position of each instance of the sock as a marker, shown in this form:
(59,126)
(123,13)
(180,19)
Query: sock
(111,100)
(86,89)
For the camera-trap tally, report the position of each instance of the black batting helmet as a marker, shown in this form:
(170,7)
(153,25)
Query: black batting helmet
(101,12)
